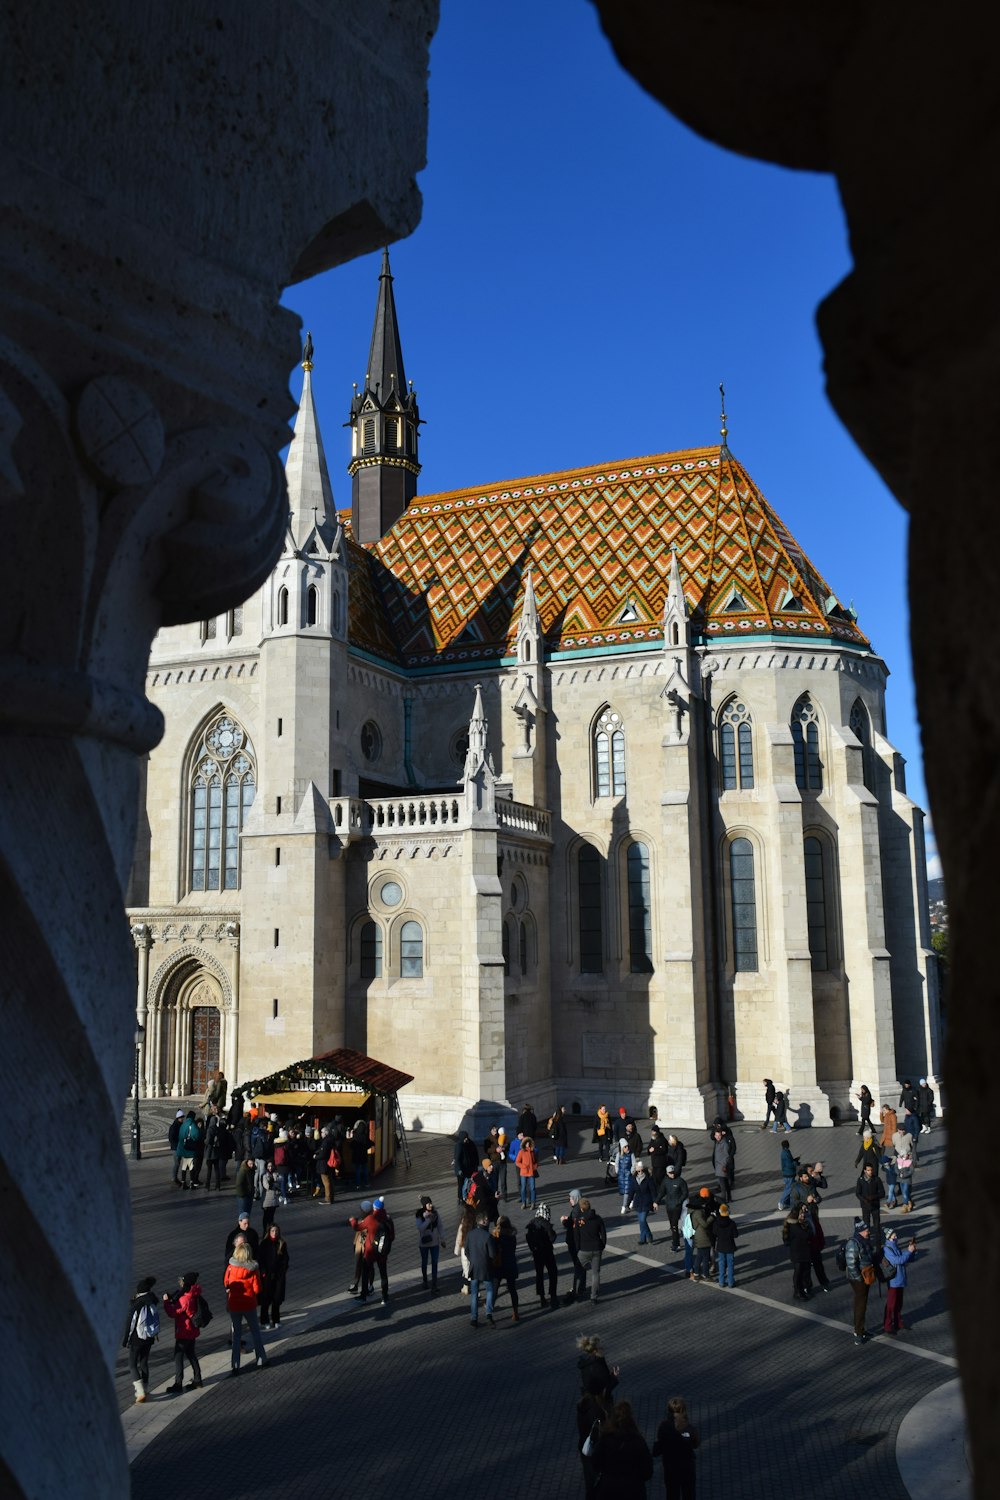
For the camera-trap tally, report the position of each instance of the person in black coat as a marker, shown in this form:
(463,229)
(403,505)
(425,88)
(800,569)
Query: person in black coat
(909,1097)
(866,1101)
(657,1152)
(870,1191)
(173,1135)
(466,1161)
(540,1237)
(527,1122)
(676,1154)
(676,1441)
(235,1113)
(925,1104)
(621,1457)
(273,1261)
(250,1235)
(795,1233)
(672,1196)
(725,1233)
(769,1093)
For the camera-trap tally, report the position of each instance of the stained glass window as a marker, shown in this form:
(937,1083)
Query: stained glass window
(222,793)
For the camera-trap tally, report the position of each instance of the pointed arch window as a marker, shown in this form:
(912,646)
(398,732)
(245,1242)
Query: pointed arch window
(371,951)
(588,874)
(744,903)
(609,755)
(640,931)
(282,606)
(505,940)
(522,947)
(736,746)
(312,604)
(861,728)
(411,950)
(819,946)
(222,793)
(805,742)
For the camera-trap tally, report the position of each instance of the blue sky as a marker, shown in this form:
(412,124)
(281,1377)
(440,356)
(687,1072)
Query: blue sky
(585,273)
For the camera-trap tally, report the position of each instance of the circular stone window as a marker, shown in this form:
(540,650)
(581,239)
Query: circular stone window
(391,893)
(371,741)
(460,747)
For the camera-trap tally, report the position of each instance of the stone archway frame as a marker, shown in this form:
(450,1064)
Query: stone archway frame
(163,998)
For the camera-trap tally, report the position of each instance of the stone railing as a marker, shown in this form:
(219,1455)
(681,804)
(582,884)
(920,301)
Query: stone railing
(354,817)
(521,817)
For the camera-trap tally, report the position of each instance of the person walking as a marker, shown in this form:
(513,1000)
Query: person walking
(701,1223)
(571,1244)
(621,1457)
(623,1163)
(866,1101)
(481,1250)
(675,1445)
(243,1289)
(859,1254)
(869,1152)
(725,1232)
(273,1260)
(213,1153)
(183,1309)
(925,1104)
(672,1196)
(591,1238)
(898,1259)
(526,1163)
(904,1173)
(642,1199)
(657,1153)
(430,1238)
(870,1191)
(466,1222)
(795,1234)
(559,1135)
(141,1332)
(505,1263)
(540,1238)
(172,1136)
(242,1231)
(602,1135)
(769,1096)
(887,1116)
(189,1148)
(502,1164)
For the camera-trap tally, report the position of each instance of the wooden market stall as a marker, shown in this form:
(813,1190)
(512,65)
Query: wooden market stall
(339,1082)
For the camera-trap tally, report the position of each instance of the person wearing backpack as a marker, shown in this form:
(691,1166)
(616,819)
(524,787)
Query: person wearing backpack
(140,1334)
(859,1264)
(379,1232)
(183,1309)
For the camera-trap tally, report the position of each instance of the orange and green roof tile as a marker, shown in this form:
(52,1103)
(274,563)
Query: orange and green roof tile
(444,586)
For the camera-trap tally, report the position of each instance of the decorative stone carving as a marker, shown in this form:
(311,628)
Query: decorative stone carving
(144,359)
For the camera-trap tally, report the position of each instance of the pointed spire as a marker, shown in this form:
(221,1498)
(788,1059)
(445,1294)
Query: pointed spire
(529,609)
(479,777)
(310,493)
(477,729)
(676,629)
(724,429)
(385,358)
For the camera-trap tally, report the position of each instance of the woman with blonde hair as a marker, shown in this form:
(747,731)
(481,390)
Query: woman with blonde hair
(243,1289)
(675,1443)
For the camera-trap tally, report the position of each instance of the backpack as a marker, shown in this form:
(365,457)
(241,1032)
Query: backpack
(147,1321)
(202,1315)
(385,1237)
(840,1256)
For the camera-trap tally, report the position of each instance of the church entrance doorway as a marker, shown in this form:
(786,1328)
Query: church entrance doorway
(205,1043)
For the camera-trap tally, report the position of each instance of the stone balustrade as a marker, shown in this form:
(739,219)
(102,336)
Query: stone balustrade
(355,817)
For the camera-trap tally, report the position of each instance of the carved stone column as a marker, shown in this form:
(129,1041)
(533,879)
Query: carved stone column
(160,183)
(142,938)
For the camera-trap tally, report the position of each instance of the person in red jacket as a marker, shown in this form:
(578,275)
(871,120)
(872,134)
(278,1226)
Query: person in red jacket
(243,1288)
(182,1309)
(379,1232)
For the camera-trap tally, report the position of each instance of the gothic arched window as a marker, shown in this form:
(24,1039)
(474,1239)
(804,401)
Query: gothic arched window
(312,605)
(411,950)
(736,746)
(505,940)
(522,947)
(861,728)
(222,792)
(609,755)
(371,951)
(744,901)
(819,951)
(805,741)
(640,931)
(588,875)
(282,606)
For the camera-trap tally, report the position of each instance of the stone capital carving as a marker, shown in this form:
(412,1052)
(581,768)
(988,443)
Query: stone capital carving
(142,934)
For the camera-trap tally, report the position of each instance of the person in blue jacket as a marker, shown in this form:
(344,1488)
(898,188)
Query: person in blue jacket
(788,1165)
(897,1259)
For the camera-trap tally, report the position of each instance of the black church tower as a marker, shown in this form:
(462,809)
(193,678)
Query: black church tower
(384,421)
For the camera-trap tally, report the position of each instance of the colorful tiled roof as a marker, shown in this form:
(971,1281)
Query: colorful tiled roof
(444,585)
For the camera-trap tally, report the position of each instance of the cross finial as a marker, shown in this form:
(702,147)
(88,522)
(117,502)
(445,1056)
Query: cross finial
(724,428)
(307,352)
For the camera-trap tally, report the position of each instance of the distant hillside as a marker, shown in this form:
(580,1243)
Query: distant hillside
(935,891)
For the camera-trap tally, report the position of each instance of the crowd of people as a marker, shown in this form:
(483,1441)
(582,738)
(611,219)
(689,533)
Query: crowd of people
(648,1166)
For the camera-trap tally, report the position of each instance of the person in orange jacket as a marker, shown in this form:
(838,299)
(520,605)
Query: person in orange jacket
(243,1288)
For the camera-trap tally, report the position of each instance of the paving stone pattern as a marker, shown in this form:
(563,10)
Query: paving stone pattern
(402,1399)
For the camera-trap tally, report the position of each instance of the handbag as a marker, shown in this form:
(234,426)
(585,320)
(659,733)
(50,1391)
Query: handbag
(868,1275)
(590,1441)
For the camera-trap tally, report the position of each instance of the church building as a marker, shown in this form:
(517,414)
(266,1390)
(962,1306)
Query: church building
(572,789)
